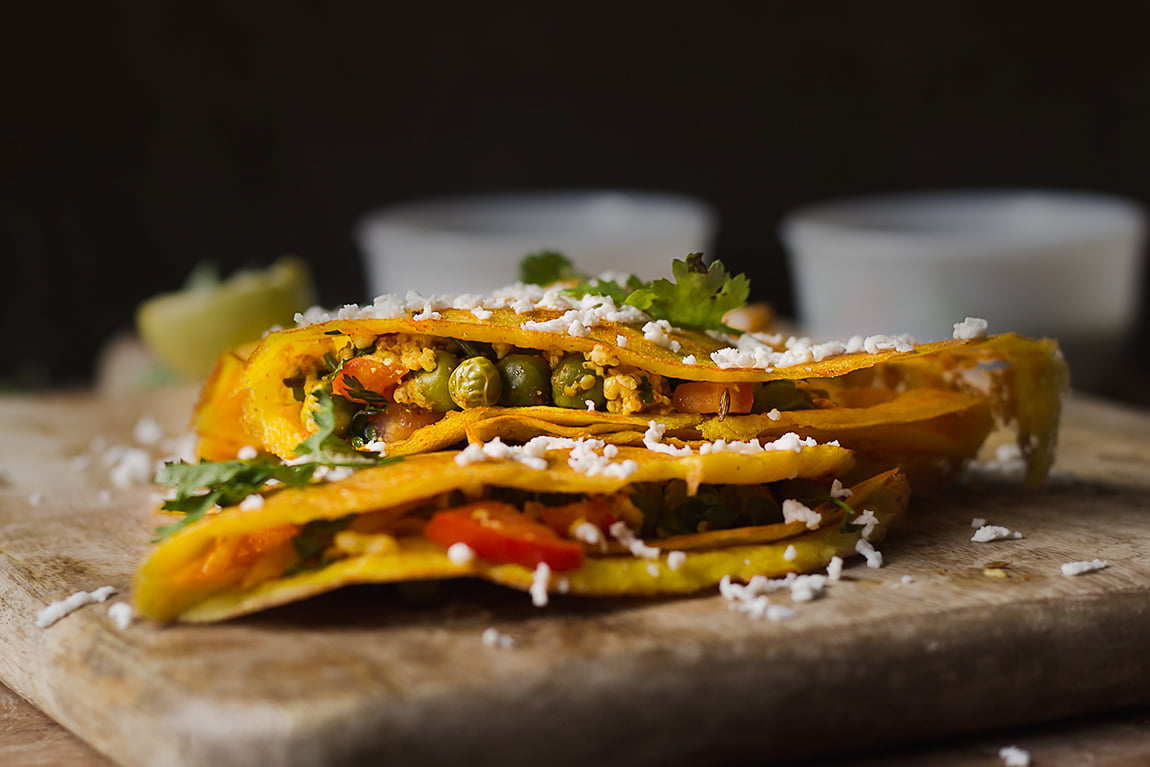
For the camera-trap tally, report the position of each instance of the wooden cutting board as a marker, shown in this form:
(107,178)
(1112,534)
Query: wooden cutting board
(375,673)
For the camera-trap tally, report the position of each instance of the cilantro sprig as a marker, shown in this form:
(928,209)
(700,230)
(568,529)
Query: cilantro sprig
(698,297)
(327,447)
(199,487)
(546,268)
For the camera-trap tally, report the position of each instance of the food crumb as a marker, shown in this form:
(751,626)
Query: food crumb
(493,637)
(1013,756)
(988,533)
(1078,568)
(121,613)
(59,609)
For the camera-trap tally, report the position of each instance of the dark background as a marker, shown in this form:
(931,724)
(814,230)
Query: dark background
(143,137)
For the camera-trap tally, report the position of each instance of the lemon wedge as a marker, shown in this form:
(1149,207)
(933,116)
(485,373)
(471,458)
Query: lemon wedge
(188,329)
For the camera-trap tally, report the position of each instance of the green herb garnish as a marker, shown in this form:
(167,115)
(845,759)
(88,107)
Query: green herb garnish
(545,268)
(201,486)
(328,448)
(357,391)
(698,297)
(313,540)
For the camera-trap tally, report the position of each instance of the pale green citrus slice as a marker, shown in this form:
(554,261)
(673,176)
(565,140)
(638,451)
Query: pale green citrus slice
(187,330)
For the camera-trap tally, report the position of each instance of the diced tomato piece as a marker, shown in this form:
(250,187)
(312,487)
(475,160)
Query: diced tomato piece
(562,519)
(400,422)
(499,532)
(366,379)
(706,397)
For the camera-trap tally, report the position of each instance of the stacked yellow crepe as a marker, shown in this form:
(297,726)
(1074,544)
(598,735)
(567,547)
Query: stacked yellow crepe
(592,437)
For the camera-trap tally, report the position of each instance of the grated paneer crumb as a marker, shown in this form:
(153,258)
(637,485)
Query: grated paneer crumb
(57,610)
(1013,756)
(988,533)
(1078,568)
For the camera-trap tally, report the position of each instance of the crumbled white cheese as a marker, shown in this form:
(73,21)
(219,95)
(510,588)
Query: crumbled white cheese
(752,600)
(35,497)
(252,502)
(797,511)
(790,553)
(147,431)
(988,533)
(1078,568)
(1013,756)
(653,570)
(658,332)
(57,610)
(460,554)
(839,492)
(970,329)
(590,534)
(774,414)
(246,453)
(652,440)
(805,588)
(493,637)
(130,466)
(676,559)
(539,582)
(689,359)
(872,555)
(868,521)
(835,569)
(121,614)
(620,532)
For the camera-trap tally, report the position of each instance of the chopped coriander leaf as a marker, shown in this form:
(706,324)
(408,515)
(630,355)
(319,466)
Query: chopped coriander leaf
(313,540)
(620,294)
(325,446)
(357,391)
(699,296)
(545,268)
(201,486)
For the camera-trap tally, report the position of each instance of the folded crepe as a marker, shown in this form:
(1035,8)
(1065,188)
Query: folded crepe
(590,437)
(555,515)
(412,375)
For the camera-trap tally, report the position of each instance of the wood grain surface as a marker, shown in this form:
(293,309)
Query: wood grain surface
(377,672)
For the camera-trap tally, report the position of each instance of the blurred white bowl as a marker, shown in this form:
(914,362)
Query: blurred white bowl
(474,244)
(1043,263)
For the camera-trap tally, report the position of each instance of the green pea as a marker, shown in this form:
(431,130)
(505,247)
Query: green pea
(435,383)
(475,382)
(573,382)
(526,380)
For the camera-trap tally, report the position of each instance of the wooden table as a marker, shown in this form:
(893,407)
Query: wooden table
(1103,471)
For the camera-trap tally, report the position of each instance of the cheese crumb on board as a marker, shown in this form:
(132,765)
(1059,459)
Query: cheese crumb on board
(988,533)
(1013,756)
(1078,568)
(493,637)
(870,553)
(57,610)
(121,613)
